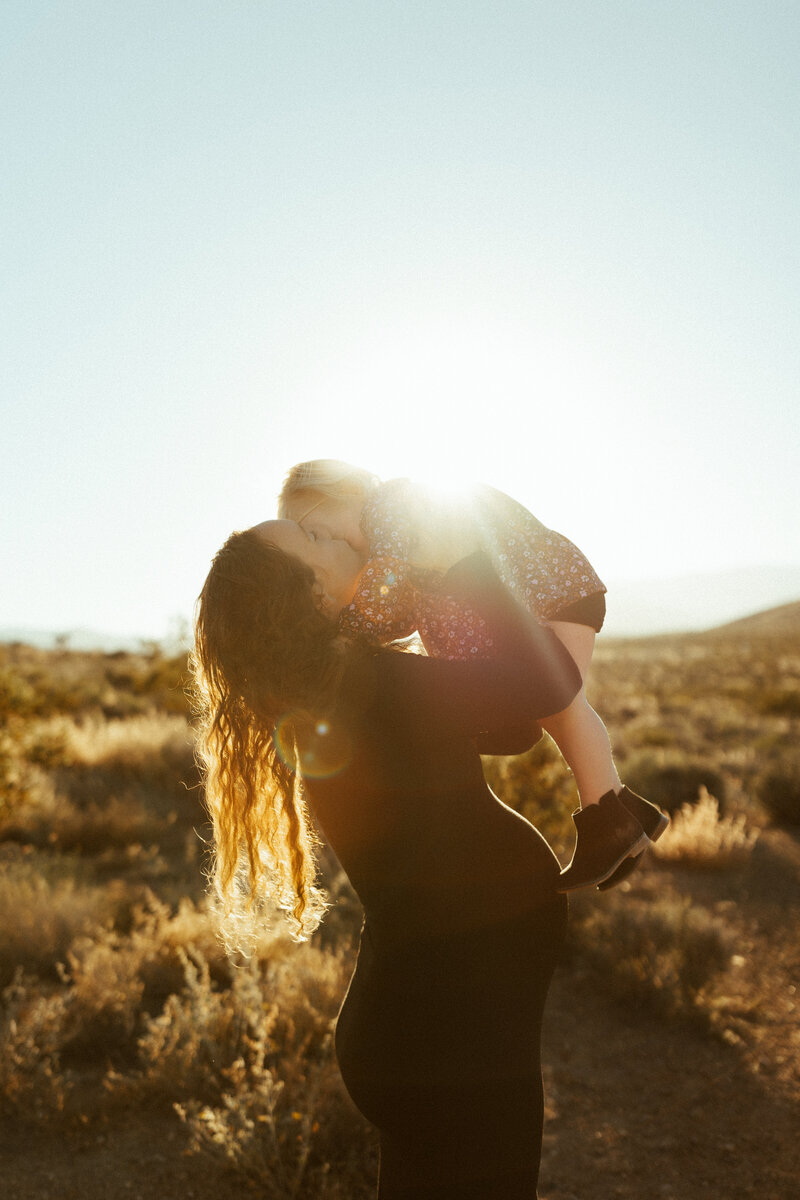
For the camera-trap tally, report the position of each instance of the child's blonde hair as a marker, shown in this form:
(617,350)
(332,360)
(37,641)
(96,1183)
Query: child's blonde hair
(325,477)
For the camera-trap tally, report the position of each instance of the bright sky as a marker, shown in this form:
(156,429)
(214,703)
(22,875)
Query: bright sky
(554,246)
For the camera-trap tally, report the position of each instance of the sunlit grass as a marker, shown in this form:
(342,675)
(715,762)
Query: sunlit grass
(117,991)
(698,836)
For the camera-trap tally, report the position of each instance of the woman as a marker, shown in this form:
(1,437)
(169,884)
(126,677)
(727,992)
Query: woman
(438,1039)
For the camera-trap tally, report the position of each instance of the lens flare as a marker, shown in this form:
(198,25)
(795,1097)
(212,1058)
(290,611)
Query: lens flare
(389,581)
(319,748)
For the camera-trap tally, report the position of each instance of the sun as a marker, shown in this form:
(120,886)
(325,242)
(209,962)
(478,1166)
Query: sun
(416,404)
(451,400)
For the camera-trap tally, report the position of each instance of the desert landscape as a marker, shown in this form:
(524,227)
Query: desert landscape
(139,1061)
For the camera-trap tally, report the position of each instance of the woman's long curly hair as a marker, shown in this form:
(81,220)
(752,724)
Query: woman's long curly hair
(265,660)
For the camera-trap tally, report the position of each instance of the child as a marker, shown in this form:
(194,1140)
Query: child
(409,539)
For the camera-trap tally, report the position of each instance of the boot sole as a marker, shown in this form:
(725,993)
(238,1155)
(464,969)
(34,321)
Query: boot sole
(638,847)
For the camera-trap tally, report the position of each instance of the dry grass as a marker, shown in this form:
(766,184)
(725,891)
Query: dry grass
(663,951)
(135,742)
(46,906)
(116,989)
(698,836)
(278,1112)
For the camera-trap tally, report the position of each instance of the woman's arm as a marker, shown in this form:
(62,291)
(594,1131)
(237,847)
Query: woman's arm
(486,698)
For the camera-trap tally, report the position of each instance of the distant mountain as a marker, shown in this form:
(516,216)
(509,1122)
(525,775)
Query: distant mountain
(696,602)
(783,621)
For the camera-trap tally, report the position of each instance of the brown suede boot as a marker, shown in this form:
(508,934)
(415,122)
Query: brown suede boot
(607,834)
(652,820)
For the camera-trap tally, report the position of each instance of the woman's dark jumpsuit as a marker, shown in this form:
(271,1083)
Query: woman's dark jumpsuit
(438,1039)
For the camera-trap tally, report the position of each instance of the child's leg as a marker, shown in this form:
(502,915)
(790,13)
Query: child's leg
(578,731)
(618,828)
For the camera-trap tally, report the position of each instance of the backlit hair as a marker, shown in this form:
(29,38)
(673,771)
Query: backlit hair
(264,661)
(325,477)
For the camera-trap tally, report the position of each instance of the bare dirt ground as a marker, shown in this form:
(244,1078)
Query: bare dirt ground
(637,1107)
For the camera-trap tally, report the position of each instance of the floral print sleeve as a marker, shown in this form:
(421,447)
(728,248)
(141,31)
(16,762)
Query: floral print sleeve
(395,600)
(391,519)
(386,602)
(542,569)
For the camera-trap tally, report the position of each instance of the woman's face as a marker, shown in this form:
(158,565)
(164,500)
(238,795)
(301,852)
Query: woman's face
(336,565)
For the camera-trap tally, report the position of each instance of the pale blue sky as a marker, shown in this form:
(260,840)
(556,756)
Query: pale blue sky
(551,245)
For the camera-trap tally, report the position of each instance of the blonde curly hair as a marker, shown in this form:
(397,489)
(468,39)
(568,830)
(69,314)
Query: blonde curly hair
(265,662)
(325,477)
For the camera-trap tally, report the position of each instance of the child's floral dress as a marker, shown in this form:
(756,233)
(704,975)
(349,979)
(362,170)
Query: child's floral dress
(544,570)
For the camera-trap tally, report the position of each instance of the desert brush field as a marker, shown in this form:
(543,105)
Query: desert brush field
(138,1060)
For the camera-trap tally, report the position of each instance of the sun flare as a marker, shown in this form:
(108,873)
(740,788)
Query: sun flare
(465,398)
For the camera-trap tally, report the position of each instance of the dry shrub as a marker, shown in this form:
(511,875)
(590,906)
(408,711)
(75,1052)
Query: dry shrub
(44,911)
(101,787)
(700,837)
(151,678)
(134,742)
(288,997)
(108,980)
(31,1028)
(670,779)
(51,819)
(266,1096)
(779,791)
(321,1150)
(114,978)
(101,1007)
(780,702)
(661,952)
(93,785)
(122,820)
(117,979)
(153,750)
(23,782)
(17,696)
(42,682)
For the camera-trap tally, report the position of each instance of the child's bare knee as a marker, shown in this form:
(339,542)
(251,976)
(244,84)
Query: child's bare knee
(579,640)
(568,717)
